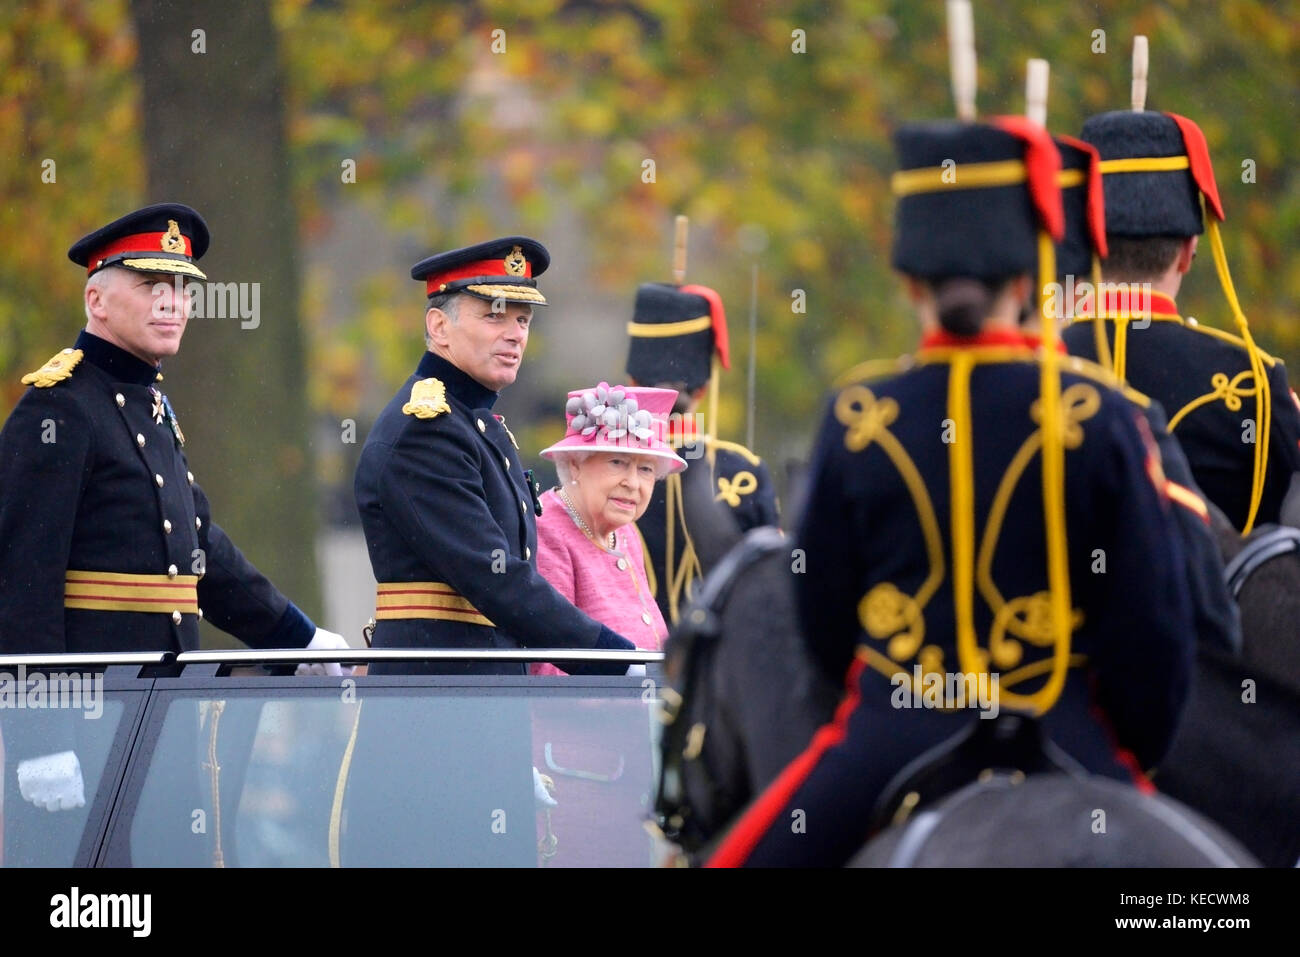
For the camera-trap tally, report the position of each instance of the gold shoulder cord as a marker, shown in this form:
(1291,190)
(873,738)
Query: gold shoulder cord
(680,577)
(971,657)
(1262,391)
(1104,357)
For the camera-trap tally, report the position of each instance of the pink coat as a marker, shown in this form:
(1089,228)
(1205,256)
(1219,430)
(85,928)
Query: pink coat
(610,587)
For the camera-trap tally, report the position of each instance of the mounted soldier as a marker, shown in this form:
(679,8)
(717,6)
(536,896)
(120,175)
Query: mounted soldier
(976,513)
(678,340)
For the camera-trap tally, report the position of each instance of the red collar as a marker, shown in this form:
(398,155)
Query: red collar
(993,337)
(1035,341)
(1125,300)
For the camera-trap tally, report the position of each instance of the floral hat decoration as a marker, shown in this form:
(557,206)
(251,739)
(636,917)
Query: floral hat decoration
(618,418)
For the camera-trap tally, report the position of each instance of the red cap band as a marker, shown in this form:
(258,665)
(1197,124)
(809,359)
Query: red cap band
(483,267)
(146,244)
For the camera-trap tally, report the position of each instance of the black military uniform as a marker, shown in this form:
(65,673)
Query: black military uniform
(448,513)
(108,542)
(1157,175)
(676,333)
(1218,622)
(892,590)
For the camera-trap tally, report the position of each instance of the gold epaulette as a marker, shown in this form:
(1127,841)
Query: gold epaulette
(735,447)
(428,399)
(56,370)
(1099,373)
(873,369)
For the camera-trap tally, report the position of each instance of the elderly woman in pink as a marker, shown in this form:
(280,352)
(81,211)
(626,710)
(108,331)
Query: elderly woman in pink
(612,453)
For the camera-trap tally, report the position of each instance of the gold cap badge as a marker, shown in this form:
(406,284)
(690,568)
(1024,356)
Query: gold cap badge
(428,399)
(173,241)
(515,262)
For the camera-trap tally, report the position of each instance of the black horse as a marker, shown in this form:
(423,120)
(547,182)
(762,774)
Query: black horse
(1236,756)
(748,700)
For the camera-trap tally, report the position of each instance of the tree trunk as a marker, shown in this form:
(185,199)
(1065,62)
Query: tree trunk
(215,139)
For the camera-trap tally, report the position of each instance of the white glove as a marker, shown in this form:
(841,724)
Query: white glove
(636,671)
(540,792)
(52,781)
(325,640)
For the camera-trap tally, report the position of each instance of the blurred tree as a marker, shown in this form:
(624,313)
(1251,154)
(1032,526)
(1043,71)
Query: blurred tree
(69,122)
(214,135)
(780,157)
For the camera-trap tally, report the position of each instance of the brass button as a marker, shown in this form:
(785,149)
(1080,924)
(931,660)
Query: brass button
(198,523)
(120,400)
(622,564)
(167,526)
(1191,320)
(200,614)
(481,427)
(172,571)
(528,553)
(506,462)
(176,617)
(139,439)
(523,506)
(645,616)
(158,480)
(190,477)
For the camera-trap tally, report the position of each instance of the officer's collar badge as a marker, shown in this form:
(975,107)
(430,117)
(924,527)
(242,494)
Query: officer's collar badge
(428,399)
(56,370)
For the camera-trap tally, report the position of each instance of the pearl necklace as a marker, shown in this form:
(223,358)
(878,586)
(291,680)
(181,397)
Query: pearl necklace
(573,513)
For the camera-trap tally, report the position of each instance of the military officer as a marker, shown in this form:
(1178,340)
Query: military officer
(978,520)
(1229,403)
(678,338)
(109,543)
(448,511)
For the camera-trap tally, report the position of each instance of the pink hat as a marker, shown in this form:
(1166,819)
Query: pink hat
(619,419)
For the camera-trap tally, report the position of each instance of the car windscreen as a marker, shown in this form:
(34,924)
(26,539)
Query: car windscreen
(527,773)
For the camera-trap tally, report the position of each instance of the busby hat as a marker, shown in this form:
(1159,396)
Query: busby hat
(1154,168)
(674,333)
(973,197)
(505,269)
(164,238)
(1085,214)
